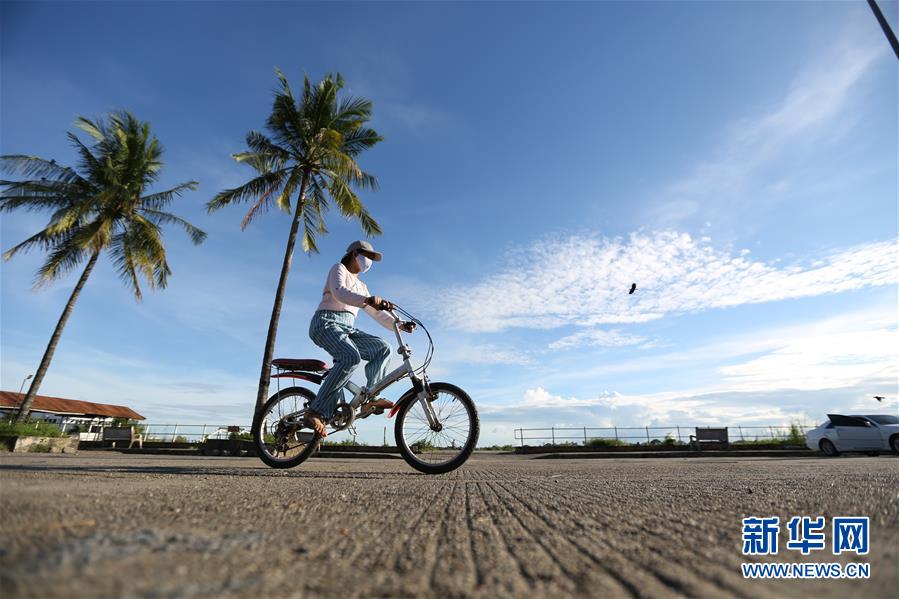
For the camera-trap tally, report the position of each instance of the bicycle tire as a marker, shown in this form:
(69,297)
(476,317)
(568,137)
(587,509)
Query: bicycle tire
(462,456)
(259,435)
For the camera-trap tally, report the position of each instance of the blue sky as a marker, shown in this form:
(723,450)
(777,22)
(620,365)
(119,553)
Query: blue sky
(738,161)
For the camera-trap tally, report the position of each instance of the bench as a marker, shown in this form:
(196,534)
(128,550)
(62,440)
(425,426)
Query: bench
(115,434)
(709,435)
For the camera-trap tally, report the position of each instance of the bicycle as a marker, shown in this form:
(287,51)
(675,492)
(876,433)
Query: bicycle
(436,425)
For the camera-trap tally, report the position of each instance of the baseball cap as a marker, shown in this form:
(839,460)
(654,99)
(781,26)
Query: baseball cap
(365,247)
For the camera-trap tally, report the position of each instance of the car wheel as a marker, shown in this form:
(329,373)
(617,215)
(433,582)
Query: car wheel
(894,443)
(828,448)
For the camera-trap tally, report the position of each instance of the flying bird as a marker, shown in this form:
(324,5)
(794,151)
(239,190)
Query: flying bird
(633,288)
(879,397)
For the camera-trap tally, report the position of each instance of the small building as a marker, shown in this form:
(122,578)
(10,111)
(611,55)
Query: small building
(67,414)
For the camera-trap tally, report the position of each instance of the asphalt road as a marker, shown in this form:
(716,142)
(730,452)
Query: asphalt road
(102,524)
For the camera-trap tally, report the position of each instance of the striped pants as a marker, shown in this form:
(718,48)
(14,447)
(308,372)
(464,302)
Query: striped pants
(334,332)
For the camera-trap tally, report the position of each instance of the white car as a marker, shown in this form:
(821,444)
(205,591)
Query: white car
(871,433)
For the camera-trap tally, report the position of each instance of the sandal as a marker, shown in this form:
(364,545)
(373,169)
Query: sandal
(313,420)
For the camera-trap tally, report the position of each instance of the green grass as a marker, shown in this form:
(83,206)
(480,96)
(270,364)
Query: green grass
(39,448)
(29,428)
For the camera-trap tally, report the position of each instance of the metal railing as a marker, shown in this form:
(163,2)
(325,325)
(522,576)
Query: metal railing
(648,434)
(189,433)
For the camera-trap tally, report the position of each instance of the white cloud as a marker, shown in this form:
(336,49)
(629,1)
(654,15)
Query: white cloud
(776,143)
(772,376)
(824,361)
(541,398)
(600,338)
(584,280)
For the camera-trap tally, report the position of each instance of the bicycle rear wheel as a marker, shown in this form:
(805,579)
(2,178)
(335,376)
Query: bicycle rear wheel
(438,451)
(278,432)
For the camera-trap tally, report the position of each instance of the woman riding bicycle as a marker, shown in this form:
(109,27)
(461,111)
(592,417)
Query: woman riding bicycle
(333,329)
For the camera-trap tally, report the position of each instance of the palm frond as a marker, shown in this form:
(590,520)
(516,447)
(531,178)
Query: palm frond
(147,251)
(161,199)
(75,244)
(97,130)
(159,217)
(283,201)
(37,195)
(357,141)
(347,201)
(368,223)
(263,185)
(34,166)
(354,109)
(41,239)
(123,262)
(260,144)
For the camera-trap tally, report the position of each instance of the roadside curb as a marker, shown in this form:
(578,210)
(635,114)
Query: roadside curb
(369,455)
(366,455)
(581,455)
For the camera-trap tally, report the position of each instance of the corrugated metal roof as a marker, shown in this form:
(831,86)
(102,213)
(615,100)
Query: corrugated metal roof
(58,405)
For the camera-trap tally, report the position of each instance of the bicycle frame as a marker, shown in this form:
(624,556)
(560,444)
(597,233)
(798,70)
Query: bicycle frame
(419,391)
(361,394)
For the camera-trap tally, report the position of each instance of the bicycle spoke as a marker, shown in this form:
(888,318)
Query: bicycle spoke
(442,446)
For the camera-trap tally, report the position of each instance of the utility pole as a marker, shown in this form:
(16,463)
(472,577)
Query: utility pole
(884,24)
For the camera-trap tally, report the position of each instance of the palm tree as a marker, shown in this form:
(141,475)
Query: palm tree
(311,152)
(101,204)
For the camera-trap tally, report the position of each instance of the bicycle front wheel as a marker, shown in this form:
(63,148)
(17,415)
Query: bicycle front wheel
(278,432)
(436,450)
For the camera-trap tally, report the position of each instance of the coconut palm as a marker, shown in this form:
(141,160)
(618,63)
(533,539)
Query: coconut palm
(101,204)
(310,154)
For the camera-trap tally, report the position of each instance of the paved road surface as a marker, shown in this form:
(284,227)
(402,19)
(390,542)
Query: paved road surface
(107,525)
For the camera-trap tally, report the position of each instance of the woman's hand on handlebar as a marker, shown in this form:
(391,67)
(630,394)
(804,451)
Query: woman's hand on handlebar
(378,303)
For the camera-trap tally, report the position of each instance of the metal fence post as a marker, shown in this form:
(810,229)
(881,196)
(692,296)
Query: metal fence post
(740,428)
(553,429)
(203,434)
(616,433)
(585,435)
(647,434)
(678,434)
(174,432)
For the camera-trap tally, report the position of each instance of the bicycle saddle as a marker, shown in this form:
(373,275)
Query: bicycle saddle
(309,365)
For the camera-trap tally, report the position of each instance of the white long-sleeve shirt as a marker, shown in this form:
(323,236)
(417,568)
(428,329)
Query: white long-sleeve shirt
(345,292)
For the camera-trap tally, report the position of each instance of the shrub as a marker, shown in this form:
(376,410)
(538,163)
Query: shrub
(245,436)
(605,443)
(423,445)
(29,428)
(39,448)
(341,443)
(181,439)
(795,436)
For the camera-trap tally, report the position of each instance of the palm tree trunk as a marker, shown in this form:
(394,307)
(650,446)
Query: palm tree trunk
(265,375)
(25,407)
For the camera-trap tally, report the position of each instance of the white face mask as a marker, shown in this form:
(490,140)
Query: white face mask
(363,262)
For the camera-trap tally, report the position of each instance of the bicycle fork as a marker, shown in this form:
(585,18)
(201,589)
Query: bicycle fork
(424,398)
